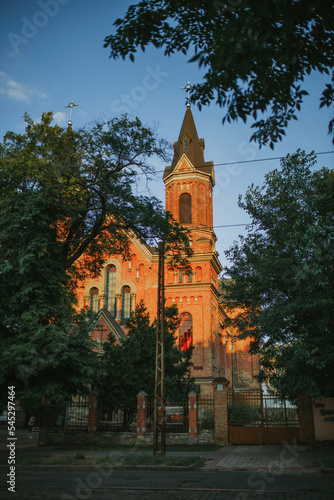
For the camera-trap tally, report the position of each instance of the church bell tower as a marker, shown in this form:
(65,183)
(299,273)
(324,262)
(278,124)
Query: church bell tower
(189,182)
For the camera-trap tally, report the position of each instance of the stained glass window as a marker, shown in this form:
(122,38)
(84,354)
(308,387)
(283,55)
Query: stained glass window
(94,300)
(126,302)
(185,331)
(110,290)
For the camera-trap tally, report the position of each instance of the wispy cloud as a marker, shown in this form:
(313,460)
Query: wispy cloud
(16,90)
(60,117)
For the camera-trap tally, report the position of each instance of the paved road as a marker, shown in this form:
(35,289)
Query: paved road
(103,484)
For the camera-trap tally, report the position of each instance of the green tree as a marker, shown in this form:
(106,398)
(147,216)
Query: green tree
(256,54)
(134,363)
(66,201)
(282,277)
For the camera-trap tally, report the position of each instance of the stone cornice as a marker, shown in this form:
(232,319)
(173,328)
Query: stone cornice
(202,229)
(211,257)
(142,247)
(192,173)
(197,287)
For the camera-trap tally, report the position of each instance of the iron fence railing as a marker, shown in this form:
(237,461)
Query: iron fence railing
(77,415)
(117,420)
(256,409)
(74,417)
(206,414)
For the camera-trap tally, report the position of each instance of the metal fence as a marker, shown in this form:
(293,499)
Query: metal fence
(206,414)
(254,418)
(254,409)
(77,415)
(117,420)
(74,417)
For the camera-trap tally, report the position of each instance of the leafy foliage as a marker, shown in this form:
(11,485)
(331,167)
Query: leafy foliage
(256,54)
(67,201)
(282,277)
(45,344)
(130,367)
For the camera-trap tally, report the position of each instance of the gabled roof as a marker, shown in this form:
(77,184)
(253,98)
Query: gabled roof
(111,323)
(193,149)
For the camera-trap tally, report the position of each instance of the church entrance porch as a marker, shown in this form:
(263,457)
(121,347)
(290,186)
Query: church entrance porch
(254,418)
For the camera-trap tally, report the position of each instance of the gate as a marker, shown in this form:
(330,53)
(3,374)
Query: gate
(254,418)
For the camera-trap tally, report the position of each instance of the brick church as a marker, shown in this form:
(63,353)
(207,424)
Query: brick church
(189,182)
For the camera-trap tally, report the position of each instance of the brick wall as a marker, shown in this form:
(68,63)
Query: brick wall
(221,411)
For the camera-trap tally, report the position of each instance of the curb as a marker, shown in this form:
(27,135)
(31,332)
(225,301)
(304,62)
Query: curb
(172,468)
(90,467)
(327,470)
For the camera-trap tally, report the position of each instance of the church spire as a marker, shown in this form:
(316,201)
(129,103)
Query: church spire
(189,181)
(189,144)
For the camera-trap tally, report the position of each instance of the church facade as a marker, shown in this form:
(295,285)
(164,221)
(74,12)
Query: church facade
(189,182)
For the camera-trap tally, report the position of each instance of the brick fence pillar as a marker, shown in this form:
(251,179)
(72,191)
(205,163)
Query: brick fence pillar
(305,419)
(142,399)
(192,408)
(92,414)
(220,410)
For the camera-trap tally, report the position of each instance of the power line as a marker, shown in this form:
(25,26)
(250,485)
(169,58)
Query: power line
(231,225)
(264,159)
(250,161)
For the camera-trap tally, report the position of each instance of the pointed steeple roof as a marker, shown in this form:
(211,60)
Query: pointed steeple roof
(189,144)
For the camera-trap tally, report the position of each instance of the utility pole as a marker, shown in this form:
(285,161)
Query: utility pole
(159,444)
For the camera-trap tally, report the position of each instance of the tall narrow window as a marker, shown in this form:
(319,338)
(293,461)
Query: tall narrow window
(198,274)
(185,208)
(170,275)
(185,331)
(110,290)
(126,302)
(186,146)
(94,300)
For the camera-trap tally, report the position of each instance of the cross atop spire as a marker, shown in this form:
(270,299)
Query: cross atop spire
(187,88)
(71,105)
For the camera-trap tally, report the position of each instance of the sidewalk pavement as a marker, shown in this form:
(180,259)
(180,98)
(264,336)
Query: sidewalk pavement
(283,458)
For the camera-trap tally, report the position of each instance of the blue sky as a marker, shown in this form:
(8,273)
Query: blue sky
(51,51)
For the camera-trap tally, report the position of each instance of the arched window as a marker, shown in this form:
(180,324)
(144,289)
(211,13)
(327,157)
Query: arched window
(110,290)
(126,302)
(185,208)
(94,300)
(198,274)
(170,276)
(185,331)
(186,146)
